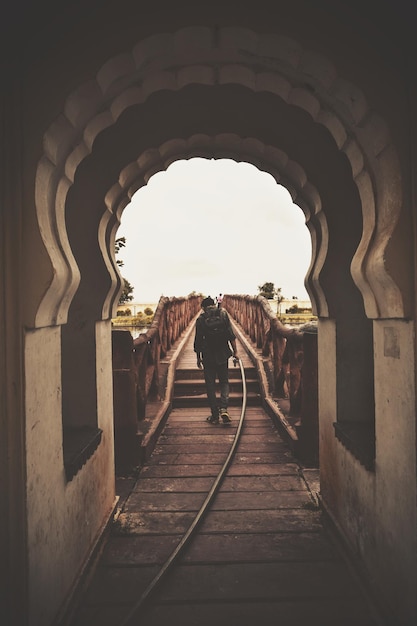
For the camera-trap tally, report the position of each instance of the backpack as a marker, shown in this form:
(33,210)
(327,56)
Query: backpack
(214,324)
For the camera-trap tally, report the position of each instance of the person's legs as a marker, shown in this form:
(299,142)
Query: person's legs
(223,374)
(210,379)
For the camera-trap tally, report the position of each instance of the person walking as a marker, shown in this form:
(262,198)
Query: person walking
(219,300)
(214,344)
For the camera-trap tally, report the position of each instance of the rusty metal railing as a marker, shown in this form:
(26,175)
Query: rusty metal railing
(292,355)
(281,344)
(137,374)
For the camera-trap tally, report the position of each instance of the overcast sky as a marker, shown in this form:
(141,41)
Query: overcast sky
(213,226)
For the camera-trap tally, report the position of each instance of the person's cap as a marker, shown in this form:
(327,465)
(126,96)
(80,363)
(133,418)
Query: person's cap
(207,302)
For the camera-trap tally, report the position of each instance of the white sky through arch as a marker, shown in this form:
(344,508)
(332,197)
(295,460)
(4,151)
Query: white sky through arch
(213,226)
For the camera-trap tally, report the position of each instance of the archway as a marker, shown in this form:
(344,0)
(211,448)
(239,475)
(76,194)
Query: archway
(273,72)
(271,103)
(333,211)
(210,226)
(231,93)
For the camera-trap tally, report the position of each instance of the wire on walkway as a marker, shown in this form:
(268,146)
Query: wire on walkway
(157,579)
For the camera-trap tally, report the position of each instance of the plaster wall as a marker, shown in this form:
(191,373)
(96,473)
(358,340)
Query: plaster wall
(396,488)
(376,510)
(64,519)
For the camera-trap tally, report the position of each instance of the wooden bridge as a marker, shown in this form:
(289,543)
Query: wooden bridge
(262,554)
(280,363)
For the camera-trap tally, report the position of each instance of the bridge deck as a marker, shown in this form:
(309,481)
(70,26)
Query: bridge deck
(262,554)
(187,359)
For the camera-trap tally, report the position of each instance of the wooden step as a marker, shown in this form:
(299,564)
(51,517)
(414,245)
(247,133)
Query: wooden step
(235,399)
(192,387)
(234,373)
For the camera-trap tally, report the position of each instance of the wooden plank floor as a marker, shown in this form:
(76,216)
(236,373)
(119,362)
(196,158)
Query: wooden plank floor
(261,554)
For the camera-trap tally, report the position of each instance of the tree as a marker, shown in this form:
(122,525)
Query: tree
(267,290)
(118,245)
(126,295)
(280,298)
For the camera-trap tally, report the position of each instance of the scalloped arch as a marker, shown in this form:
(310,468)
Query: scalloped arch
(267,63)
(267,158)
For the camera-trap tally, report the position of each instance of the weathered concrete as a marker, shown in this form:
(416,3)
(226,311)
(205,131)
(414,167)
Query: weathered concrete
(101,96)
(261,550)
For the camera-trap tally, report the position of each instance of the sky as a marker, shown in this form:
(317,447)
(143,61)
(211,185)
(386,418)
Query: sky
(213,226)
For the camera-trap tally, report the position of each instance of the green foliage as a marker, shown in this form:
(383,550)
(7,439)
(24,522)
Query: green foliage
(127,293)
(293,309)
(268,291)
(118,245)
(148,311)
(125,318)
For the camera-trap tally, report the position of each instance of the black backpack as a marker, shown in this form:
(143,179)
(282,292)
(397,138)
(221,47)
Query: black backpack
(214,324)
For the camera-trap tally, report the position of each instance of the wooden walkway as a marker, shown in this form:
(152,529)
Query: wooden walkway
(262,554)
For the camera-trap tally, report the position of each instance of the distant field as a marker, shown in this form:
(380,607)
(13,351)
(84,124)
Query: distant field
(295,319)
(132,320)
(121,320)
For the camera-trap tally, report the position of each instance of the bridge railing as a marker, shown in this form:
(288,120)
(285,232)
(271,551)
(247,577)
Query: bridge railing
(138,377)
(137,373)
(283,346)
(172,317)
(292,357)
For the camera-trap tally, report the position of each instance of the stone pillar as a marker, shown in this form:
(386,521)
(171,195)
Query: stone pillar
(308,430)
(126,442)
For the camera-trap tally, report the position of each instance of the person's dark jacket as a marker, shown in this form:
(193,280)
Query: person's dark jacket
(213,351)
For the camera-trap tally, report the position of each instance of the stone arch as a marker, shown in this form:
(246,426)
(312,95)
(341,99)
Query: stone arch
(261,63)
(266,158)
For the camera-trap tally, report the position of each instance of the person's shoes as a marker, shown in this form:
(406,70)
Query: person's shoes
(213,419)
(225,416)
